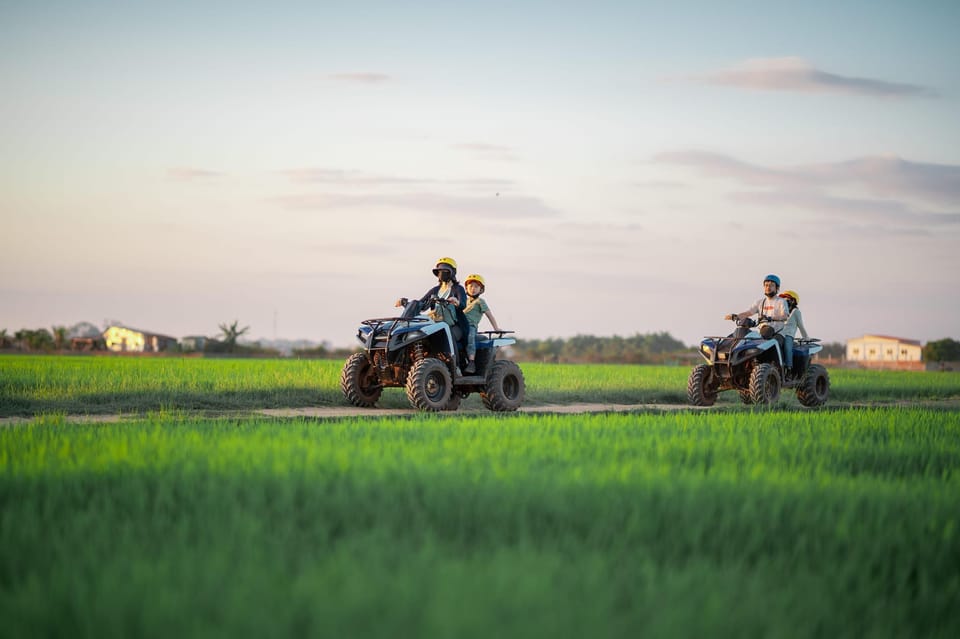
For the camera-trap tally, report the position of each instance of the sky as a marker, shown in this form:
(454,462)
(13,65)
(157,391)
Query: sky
(610,168)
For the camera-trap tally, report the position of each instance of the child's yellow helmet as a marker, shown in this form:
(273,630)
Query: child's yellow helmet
(474,277)
(449,261)
(792,294)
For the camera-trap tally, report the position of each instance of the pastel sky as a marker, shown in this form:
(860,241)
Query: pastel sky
(609,167)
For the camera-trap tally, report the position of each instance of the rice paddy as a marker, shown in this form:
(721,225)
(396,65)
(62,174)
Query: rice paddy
(787,522)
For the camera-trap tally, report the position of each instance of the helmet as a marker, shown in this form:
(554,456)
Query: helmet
(475,277)
(766,331)
(792,294)
(449,261)
(772,278)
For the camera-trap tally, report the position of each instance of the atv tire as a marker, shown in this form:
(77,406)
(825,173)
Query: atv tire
(815,387)
(745,396)
(429,385)
(504,388)
(765,385)
(359,381)
(700,390)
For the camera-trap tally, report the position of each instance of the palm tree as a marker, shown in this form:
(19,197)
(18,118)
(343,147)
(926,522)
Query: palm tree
(231,333)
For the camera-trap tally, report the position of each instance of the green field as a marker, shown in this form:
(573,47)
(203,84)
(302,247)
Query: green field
(31,385)
(735,522)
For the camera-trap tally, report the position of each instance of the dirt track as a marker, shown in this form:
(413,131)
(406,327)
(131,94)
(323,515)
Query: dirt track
(332,412)
(324,412)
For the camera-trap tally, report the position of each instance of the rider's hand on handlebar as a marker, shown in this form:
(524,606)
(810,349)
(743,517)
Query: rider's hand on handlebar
(731,316)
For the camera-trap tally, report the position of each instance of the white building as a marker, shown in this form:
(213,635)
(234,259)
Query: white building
(883,348)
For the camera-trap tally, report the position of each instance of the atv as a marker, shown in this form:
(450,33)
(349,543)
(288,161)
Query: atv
(426,358)
(753,365)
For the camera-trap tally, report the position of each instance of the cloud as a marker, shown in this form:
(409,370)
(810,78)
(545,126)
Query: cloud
(887,215)
(881,175)
(796,74)
(347,178)
(183,174)
(483,151)
(362,77)
(472,208)
(893,187)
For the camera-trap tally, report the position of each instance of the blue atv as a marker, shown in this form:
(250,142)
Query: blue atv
(751,362)
(426,358)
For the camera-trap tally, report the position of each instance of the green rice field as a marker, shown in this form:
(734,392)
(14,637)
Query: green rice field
(31,385)
(734,522)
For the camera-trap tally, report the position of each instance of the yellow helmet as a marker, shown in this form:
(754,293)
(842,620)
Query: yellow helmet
(475,277)
(449,261)
(791,294)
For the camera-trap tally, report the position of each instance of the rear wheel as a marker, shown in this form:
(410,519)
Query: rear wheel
(815,387)
(701,389)
(429,385)
(745,396)
(765,385)
(504,388)
(359,381)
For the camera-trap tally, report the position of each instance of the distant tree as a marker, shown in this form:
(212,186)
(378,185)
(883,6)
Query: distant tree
(38,340)
(59,336)
(654,348)
(942,350)
(231,333)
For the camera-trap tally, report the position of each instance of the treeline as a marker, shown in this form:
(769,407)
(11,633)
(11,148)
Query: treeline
(652,348)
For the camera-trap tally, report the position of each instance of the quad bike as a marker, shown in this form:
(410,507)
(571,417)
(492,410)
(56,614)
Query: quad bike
(753,365)
(426,358)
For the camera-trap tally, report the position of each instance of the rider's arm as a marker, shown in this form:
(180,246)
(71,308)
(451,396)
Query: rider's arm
(753,310)
(803,329)
(492,319)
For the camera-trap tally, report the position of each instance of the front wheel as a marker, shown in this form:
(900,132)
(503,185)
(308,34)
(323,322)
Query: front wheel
(701,390)
(429,385)
(504,388)
(815,387)
(359,381)
(765,385)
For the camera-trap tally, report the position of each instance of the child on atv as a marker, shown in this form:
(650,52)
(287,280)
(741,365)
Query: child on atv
(794,322)
(475,310)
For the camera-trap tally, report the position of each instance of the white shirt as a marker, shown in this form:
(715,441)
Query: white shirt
(773,307)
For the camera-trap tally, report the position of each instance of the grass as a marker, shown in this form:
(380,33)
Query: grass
(774,523)
(32,385)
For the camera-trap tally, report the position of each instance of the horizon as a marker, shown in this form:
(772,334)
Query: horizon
(616,169)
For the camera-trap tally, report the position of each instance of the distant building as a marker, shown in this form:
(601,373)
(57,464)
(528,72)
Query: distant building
(123,339)
(885,351)
(194,342)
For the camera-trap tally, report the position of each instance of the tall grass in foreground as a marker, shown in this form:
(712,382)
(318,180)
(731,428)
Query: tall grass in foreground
(31,385)
(689,524)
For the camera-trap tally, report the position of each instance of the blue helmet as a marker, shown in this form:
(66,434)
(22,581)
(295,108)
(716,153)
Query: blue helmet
(772,278)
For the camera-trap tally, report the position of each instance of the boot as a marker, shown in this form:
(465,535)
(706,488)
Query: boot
(470,368)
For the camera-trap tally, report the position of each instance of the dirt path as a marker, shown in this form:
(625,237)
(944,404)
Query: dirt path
(332,412)
(325,412)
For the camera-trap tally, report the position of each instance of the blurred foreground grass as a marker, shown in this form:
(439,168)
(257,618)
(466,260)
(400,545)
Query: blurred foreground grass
(774,523)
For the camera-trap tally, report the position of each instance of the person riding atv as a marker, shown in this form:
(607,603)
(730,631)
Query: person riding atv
(426,356)
(753,364)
